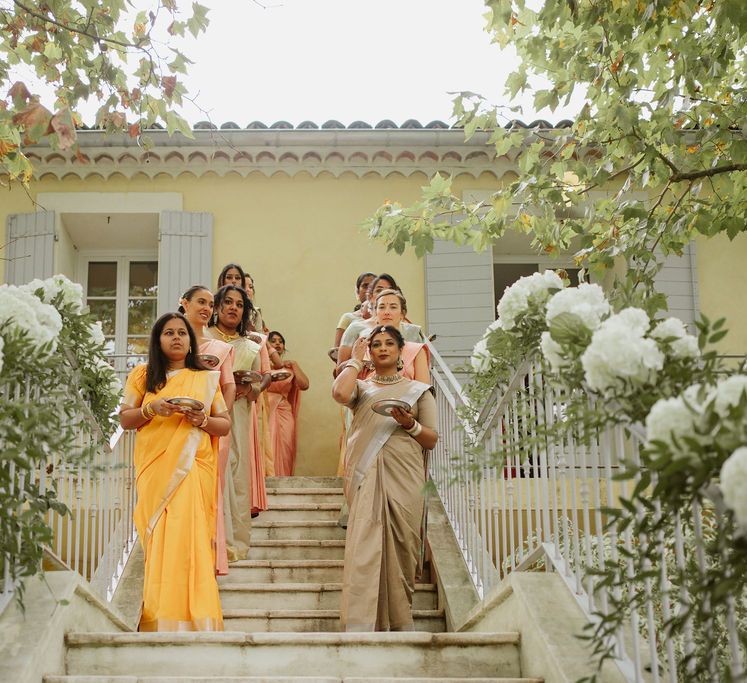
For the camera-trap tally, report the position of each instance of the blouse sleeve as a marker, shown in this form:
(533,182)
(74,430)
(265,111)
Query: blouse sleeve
(219,404)
(345,320)
(427,410)
(264,356)
(351,334)
(354,397)
(135,387)
(226,370)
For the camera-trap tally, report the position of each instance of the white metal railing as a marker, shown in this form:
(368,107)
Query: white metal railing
(97,536)
(542,506)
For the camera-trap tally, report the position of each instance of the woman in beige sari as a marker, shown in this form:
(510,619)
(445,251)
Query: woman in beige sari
(244,480)
(384,479)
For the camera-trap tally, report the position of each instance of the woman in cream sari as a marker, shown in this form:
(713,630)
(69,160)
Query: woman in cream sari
(245,473)
(384,479)
(176,464)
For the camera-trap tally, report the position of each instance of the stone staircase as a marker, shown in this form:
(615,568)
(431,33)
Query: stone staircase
(281,616)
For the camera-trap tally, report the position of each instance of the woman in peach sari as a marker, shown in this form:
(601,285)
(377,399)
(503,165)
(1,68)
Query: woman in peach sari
(197,306)
(176,464)
(284,397)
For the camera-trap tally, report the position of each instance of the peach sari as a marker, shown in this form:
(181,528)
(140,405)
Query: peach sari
(284,398)
(176,467)
(224,353)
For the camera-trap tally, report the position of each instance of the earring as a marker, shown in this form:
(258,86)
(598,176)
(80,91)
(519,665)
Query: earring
(400,363)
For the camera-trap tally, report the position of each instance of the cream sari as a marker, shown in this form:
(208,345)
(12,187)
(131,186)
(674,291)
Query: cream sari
(384,479)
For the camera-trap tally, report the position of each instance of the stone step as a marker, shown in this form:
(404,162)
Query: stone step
(283,571)
(273,679)
(410,654)
(307,549)
(305,621)
(296,494)
(304,596)
(304,482)
(327,529)
(301,511)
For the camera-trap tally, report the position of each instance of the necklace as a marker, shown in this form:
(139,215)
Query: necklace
(226,337)
(387,379)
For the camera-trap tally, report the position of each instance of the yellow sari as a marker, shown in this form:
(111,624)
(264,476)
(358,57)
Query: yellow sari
(176,467)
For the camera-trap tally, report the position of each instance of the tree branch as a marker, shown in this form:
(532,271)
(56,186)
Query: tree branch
(679,177)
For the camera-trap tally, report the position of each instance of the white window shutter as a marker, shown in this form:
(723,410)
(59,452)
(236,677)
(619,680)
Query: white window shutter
(459,298)
(30,247)
(678,280)
(185,255)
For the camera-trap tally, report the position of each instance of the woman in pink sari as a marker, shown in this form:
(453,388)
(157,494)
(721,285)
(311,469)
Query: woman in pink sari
(197,306)
(284,397)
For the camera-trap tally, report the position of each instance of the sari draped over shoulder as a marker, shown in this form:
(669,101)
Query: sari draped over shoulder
(384,479)
(176,468)
(284,398)
(224,353)
(243,444)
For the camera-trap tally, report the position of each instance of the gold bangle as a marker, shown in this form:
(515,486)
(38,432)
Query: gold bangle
(146,411)
(204,422)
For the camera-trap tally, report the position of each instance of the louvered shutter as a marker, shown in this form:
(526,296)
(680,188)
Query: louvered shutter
(459,298)
(30,247)
(678,280)
(185,255)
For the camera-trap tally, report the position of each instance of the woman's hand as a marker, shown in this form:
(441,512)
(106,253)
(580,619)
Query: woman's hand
(404,417)
(163,408)
(195,417)
(359,348)
(255,338)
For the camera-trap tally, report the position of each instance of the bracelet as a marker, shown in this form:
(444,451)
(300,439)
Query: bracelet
(147,411)
(203,424)
(415,429)
(353,363)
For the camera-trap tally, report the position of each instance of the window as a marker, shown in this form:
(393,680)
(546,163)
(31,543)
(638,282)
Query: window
(122,292)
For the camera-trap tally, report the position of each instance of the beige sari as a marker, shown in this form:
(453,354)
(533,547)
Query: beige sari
(384,479)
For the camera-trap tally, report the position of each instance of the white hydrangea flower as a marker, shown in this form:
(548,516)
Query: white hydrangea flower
(728,392)
(20,308)
(585,301)
(481,358)
(668,418)
(115,386)
(734,484)
(553,352)
(97,333)
(684,345)
(619,352)
(72,292)
(2,343)
(515,299)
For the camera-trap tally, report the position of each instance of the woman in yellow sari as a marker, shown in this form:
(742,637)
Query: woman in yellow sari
(384,479)
(176,464)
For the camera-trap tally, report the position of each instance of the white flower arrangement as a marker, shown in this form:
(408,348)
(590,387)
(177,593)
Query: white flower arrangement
(673,331)
(23,311)
(734,484)
(728,393)
(670,419)
(2,344)
(97,334)
(587,302)
(72,292)
(516,299)
(620,354)
(553,352)
(481,358)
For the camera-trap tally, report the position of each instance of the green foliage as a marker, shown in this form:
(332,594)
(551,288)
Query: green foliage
(656,155)
(87,51)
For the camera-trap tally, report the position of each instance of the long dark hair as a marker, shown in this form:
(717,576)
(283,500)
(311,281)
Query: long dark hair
(243,328)
(275,333)
(360,278)
(158,364)
(226,268)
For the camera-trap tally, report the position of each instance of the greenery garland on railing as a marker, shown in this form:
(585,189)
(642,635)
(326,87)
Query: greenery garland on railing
(625,367)
(54,383)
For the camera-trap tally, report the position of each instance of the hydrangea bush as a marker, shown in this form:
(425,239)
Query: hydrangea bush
(52,367)
(625,367)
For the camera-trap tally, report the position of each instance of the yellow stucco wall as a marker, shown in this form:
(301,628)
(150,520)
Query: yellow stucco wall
(299,237)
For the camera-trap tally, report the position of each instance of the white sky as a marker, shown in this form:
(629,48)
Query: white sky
(345,60)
